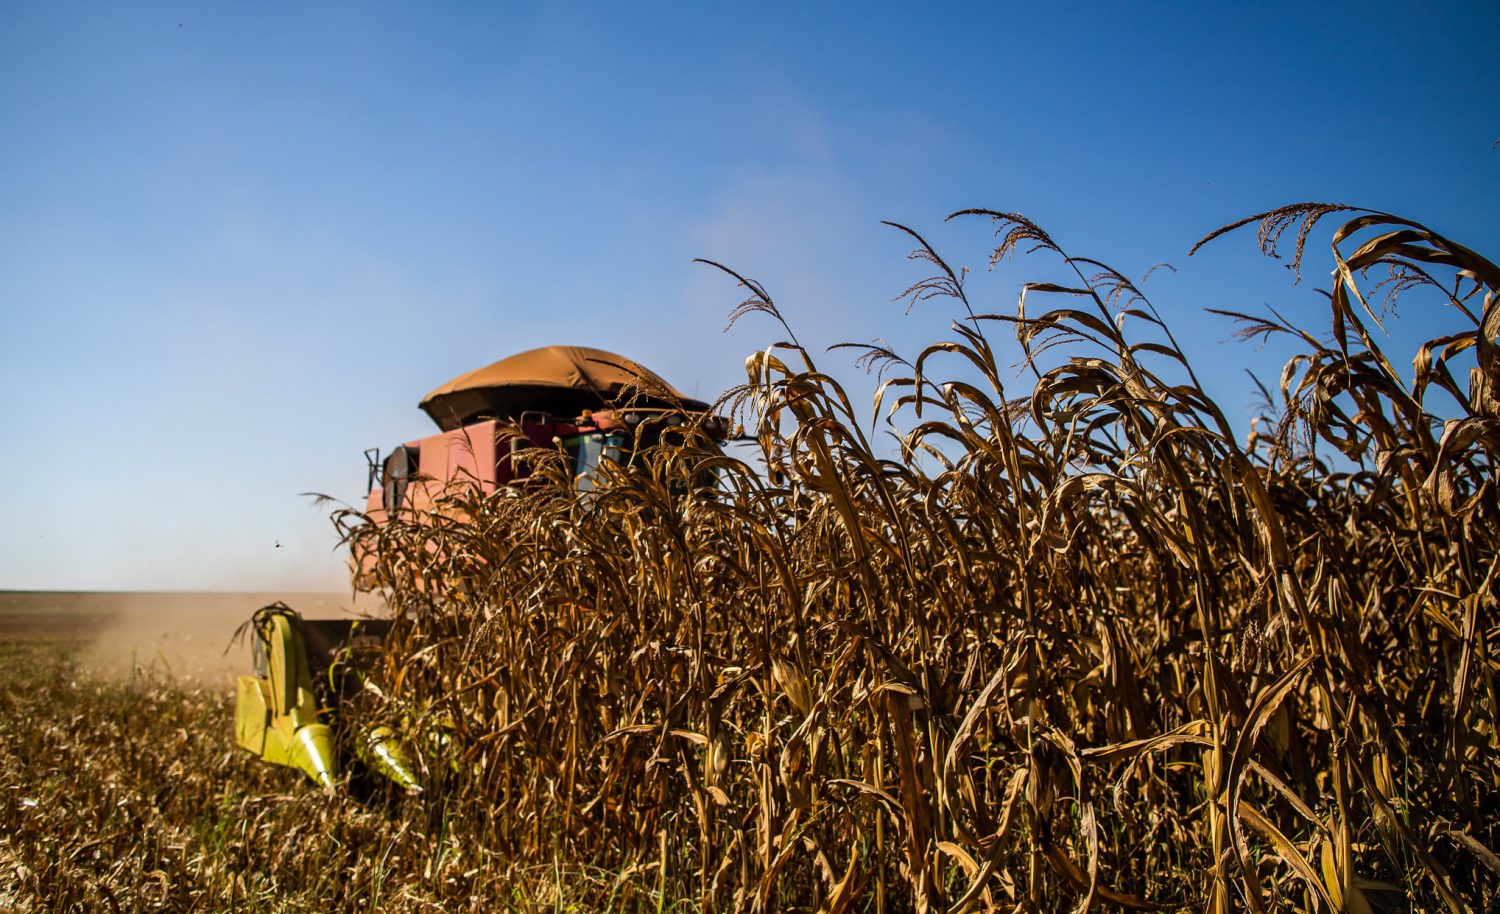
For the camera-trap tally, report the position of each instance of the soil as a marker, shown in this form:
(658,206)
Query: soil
(187,636)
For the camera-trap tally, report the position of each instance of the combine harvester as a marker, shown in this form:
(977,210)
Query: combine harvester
(589,404)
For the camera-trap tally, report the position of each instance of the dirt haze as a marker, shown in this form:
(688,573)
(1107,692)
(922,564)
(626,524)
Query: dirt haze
(181,634)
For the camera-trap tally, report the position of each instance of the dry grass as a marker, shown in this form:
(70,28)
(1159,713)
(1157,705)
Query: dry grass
(1066,647)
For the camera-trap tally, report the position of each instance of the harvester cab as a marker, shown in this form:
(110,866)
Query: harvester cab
(586,406)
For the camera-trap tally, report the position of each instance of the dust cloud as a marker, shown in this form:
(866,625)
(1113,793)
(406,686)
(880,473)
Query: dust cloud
(178,634)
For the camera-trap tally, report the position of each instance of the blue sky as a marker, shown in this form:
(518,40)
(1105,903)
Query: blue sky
(239,242)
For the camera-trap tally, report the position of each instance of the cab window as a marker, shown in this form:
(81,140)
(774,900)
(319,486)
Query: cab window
(586,451)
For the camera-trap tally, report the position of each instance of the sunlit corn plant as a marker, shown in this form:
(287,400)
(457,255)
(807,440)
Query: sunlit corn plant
(1071,643)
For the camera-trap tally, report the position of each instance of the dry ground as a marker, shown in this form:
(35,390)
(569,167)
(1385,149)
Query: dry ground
(121,788)
(183,634)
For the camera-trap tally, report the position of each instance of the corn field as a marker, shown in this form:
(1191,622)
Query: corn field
(1072,643)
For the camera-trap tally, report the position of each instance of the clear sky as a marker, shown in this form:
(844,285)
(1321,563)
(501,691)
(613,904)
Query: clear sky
(238,242)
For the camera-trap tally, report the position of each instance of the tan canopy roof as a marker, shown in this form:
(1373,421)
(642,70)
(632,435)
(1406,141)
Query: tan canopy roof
(562,380)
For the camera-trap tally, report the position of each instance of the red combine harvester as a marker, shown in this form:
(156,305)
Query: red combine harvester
(593,404)
(589,404)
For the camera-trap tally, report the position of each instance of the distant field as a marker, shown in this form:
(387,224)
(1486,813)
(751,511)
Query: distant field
(181,633)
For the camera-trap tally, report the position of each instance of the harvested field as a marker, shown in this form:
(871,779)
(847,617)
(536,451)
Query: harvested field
(184,635)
